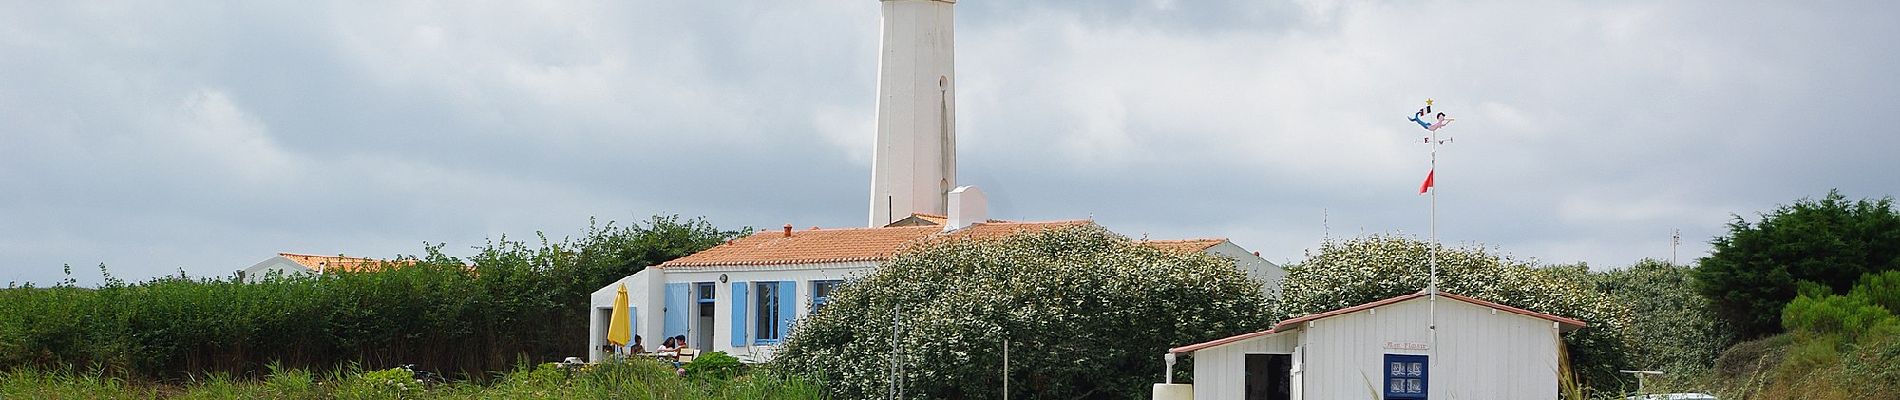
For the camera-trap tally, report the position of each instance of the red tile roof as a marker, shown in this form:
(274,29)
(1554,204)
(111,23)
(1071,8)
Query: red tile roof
(333,263)
(843,244)
(1295,322)
(1185,245)
(938,219)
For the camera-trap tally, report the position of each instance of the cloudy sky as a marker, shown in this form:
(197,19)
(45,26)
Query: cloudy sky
(204,137)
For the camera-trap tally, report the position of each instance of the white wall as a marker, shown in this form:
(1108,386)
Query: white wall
(275,264)
(646,292)
(1480,353)
(1219,372)
(643,288)
(1256,267)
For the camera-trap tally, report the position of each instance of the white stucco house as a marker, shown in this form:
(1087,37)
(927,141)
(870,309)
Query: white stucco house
(743,296)
(287,264)
(1387,350)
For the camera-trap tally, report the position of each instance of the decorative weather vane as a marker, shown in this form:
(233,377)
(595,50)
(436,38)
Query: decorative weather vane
(1439,120)
(1436,121)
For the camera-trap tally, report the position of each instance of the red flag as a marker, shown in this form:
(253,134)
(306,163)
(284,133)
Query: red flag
(1427,186)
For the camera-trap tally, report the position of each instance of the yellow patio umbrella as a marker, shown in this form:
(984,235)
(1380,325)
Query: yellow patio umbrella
(619,329)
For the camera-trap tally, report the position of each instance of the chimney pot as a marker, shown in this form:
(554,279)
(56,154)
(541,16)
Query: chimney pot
(1256,254)
(788,230)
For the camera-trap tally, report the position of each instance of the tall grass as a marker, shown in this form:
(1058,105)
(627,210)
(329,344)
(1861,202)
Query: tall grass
(57,385)
(636,379)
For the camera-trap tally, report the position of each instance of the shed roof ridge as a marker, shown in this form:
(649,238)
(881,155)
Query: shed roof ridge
(1295,321)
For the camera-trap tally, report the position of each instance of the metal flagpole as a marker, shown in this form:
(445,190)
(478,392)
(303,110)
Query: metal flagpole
(892,390)
(1431,255)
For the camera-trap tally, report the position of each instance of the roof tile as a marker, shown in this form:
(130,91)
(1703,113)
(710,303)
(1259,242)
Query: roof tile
(1185,245)
(844,244)
(333,263)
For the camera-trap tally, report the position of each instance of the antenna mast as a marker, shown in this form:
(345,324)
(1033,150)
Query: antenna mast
(1675,240)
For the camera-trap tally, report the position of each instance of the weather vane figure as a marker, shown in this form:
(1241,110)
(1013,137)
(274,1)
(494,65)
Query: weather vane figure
(1438,121)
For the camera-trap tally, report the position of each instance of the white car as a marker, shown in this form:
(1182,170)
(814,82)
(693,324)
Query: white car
(1674,396)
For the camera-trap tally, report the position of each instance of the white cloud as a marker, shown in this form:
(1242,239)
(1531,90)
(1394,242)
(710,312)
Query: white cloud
(852,131)
(212,129)
(1581,125)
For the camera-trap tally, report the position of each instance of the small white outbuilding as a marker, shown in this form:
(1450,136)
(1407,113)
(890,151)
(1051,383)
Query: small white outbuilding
(1387,350)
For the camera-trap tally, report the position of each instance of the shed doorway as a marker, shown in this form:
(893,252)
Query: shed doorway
(1269,377)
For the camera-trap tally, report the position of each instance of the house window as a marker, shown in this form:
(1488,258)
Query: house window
(706,292)
(821,293)
(1406,376)
(766,325)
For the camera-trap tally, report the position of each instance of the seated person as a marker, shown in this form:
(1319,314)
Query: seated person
(668,345)
(636,347)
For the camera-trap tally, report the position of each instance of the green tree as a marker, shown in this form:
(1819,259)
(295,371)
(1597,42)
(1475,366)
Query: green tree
(1674,328)
(1752,273)
(1087,313)
(1376,267)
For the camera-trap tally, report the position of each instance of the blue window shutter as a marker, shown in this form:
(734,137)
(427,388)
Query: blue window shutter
(787,307)
(738,314)
(678,298)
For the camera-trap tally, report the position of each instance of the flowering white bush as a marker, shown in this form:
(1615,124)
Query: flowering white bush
(1088,314)
(1376,267)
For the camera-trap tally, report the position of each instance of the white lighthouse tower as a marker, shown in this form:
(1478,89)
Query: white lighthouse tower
(914,165)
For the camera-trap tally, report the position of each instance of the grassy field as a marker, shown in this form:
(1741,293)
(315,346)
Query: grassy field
(639,379)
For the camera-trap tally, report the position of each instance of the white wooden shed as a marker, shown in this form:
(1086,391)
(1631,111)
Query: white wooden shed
(1387,350)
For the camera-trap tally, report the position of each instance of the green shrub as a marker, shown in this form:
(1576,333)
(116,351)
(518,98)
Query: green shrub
(1881,289)
(1838,347)
(1809,354)
(390,383)
(1849,316)
(509,301)
(543,374)
(714,365)
(1747,358)
(1066,300)
(1673,329)
(290,383)
(1857,315)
